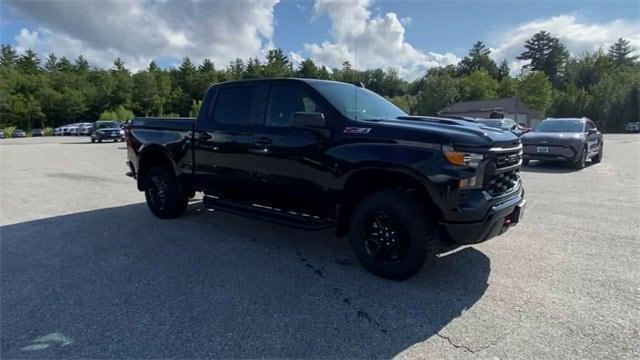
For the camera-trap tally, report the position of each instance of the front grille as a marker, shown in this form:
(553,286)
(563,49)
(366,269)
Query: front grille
(502,173)
(502,183)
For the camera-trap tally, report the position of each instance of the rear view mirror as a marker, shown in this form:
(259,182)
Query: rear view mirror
(308,119)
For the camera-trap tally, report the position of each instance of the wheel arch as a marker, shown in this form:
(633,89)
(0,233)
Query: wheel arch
(149,157)
(364,182)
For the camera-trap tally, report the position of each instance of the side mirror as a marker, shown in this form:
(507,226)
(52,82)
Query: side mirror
(591,131)
(308,119)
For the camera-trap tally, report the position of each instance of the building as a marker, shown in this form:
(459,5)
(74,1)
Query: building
(511,107)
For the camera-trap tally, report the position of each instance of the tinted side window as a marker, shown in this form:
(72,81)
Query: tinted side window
(589,125)
(284,101)
(234,105)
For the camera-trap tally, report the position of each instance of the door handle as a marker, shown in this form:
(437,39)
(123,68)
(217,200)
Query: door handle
(262,141)
(204,136)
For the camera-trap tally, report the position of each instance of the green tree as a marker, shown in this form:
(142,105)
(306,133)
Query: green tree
(8,55)
(81,65)
(439,90)
(535,90)
(65,65)
(478,59)
(570,102)
(235,70)
(28,63)
(547,54)
(51,63)
(146,99)
(620,53)
(277,64)
(122,85)
(253,69)
(587,69)
(479,85)
(503,70)
(307,69)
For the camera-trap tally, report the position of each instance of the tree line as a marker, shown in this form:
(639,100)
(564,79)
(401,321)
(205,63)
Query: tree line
(48,92)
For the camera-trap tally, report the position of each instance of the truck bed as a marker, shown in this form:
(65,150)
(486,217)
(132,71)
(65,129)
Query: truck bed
(164,123)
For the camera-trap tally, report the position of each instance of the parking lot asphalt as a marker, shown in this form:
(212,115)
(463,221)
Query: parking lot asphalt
(87,272)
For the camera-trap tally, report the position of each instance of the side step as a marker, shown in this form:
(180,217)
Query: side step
(299,221)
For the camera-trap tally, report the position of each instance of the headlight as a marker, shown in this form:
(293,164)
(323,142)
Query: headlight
(461,158)
(121,132)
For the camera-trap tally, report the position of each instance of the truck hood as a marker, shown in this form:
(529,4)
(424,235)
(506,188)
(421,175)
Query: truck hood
(458,132)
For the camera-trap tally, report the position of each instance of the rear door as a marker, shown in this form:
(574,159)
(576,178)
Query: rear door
(223,142)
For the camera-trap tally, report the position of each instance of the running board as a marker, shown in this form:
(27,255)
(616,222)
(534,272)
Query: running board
(282,217)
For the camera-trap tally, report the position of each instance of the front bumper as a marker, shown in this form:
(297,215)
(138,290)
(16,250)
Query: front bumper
(497,221)
(555,152)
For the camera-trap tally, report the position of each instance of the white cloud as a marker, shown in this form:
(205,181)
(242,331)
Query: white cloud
(139,31)
(577,35)
(368,41)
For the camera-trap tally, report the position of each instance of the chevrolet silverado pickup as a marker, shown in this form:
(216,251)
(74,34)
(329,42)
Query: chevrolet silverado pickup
(316,154)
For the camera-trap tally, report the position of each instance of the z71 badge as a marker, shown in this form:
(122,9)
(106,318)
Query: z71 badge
(356,130)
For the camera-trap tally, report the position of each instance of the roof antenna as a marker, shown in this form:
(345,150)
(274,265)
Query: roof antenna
(355,72)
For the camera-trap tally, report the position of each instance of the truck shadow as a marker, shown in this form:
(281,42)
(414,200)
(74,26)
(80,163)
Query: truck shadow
(119,283)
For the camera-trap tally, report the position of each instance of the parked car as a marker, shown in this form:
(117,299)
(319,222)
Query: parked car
(74,129)
(18,133)
(37,132)
(633,127)
(57,131)
(85,129)
(106,130)
(570,140)
(1,134)
(504,124)
(317,154)
(66,129)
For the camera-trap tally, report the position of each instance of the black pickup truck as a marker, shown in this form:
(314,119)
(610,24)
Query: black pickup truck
(315,154)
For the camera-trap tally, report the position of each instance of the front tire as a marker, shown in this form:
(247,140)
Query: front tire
(581,163)
(393,235)
(598,158)
(163,193)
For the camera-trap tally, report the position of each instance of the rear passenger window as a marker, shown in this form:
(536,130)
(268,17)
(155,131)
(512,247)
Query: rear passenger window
(284,101)
(234,105)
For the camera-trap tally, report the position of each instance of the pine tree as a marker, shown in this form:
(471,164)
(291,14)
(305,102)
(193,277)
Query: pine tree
(620,53)
(547,54)
(28,62)
(503,70)
(307,69)
(51,64)
(8,55)
(81,65)
(478,60)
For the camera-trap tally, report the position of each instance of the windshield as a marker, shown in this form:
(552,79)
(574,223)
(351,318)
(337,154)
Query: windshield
(559,126)
(357,103)
(110,124)
(493,123)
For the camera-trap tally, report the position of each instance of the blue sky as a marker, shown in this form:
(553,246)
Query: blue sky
(408,35)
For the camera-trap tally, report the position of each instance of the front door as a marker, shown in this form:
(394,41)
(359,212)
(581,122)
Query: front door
(291,161)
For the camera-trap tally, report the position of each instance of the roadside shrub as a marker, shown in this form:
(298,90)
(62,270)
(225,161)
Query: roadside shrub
(8,131)
(48,131)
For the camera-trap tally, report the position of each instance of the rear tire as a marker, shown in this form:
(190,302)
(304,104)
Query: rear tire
(93,140)
(163,193)
(99,140)
(393,235)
